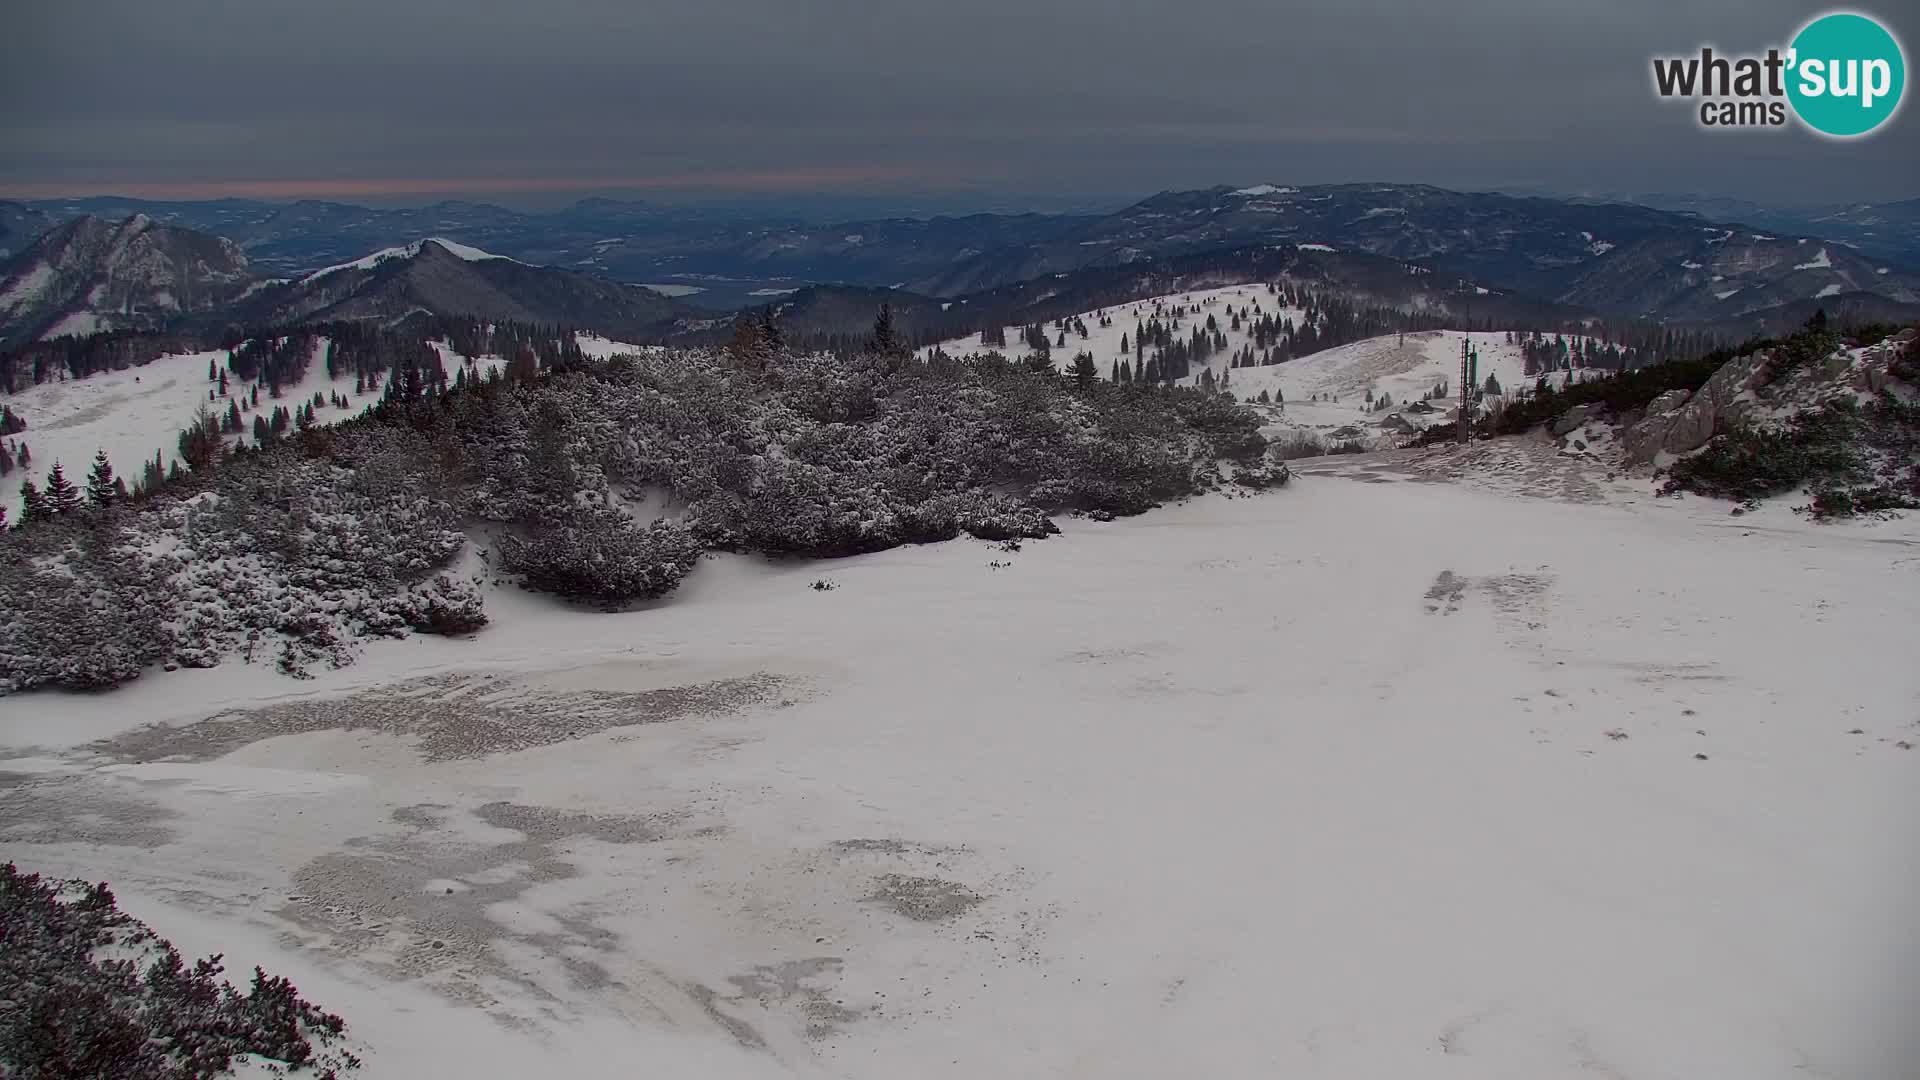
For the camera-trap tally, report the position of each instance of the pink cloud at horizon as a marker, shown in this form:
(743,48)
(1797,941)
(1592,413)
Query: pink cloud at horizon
(746,180)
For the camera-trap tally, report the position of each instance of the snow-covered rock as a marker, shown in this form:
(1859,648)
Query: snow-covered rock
(1678,422)
(1573,418)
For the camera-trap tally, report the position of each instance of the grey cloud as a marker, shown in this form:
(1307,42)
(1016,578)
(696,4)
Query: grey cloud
(1093,96)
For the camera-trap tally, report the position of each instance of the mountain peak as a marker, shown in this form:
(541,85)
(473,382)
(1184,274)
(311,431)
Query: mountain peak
(408,251)
(93,274)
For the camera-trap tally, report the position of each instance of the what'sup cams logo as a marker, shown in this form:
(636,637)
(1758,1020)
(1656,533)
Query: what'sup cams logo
(1843,75)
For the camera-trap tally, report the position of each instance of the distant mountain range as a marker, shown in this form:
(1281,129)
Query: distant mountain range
(21,225)
(89,274)
(1885,230)
(582,264)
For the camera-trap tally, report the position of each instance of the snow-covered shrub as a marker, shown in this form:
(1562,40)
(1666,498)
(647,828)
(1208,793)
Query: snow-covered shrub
(1262,474)
(443,606)
(65,1011)
(604,483)
(81,611)
(602,557)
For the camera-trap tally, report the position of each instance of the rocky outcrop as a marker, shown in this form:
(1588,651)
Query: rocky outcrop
(1573,418)
(1677,421)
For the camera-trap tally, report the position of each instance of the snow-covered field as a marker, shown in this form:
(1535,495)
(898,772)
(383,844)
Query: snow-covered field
(1359,778)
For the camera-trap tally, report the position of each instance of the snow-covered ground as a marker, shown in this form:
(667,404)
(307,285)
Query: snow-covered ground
(1360,778)
(1104,342)
(132,414)
(1405,367)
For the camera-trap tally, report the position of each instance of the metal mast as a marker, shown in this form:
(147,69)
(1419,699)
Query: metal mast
(1469,367)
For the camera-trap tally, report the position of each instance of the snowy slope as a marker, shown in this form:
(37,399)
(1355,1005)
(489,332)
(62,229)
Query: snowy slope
(1405,367)
(1357,781)
(1104,342)
(133,413)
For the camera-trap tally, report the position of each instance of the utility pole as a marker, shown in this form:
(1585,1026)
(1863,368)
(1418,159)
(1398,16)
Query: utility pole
(1466,388)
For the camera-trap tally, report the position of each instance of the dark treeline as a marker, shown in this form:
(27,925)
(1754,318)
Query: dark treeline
(274,356)
(1612,347)
(78,357)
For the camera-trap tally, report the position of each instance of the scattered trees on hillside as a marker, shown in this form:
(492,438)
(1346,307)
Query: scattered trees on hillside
(318,535)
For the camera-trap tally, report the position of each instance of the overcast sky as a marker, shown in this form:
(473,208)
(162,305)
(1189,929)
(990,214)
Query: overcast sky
(1056,100)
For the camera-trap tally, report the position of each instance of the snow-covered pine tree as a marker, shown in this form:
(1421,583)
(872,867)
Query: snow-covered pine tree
(103,488)
(62,496)
(33,505)
(886,340)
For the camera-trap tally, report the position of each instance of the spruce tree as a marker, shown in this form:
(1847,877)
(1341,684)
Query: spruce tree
(62,496)
(749,346)
(103,489)
(33,505)
(770,332)
(1085,373)
(886,340)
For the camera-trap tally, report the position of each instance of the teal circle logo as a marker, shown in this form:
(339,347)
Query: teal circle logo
(1847,75)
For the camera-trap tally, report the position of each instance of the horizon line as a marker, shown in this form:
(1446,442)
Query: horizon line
(770,181)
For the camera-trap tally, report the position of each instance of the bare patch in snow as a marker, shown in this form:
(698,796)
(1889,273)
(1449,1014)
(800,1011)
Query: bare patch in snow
(923,899)
(452,716)
(1443,596)
(428,903)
